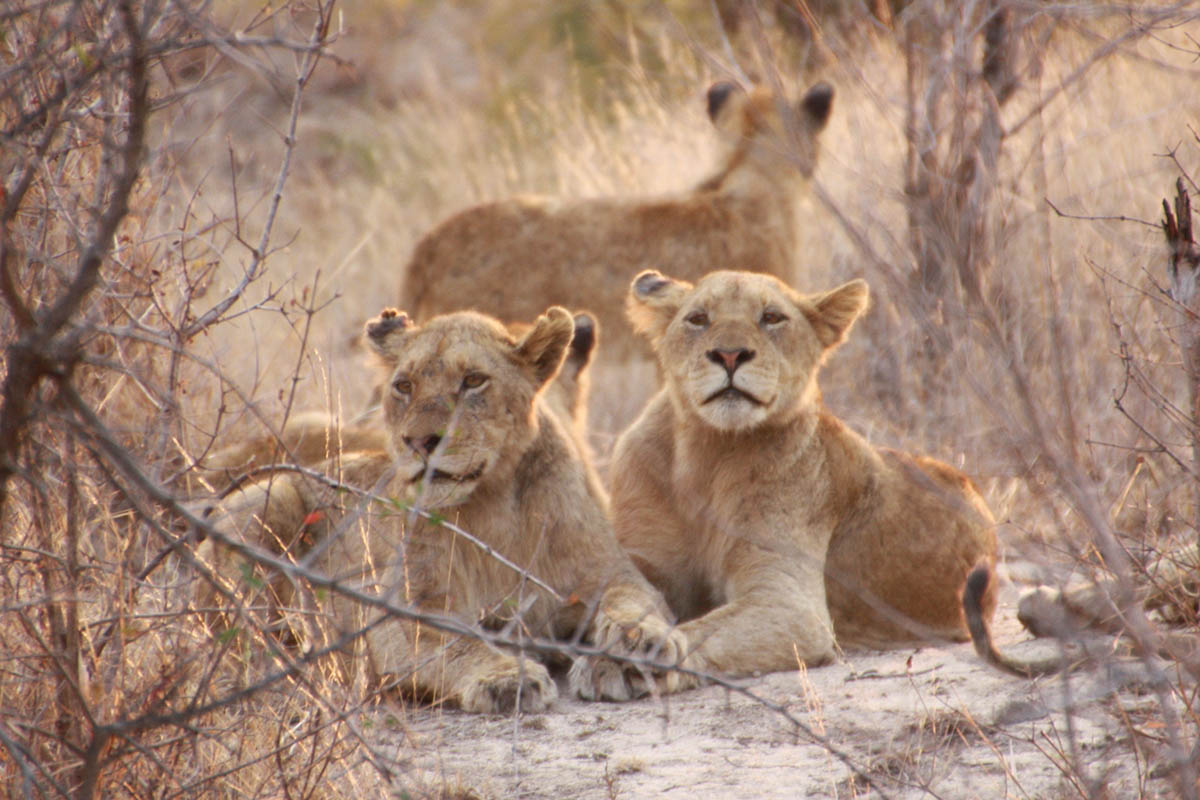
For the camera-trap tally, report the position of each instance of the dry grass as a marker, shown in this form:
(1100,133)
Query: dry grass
(1057,384)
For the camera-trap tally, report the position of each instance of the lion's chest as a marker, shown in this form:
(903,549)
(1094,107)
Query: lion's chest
(762,504)
(450,565)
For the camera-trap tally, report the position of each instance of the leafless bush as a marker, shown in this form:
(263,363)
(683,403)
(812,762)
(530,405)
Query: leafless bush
(1011,330)
(112,685)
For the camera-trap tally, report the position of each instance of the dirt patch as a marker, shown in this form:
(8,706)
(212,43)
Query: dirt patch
(933,722)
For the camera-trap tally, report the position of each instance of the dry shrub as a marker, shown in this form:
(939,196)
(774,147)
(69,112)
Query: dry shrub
(113,685)
(1035,351)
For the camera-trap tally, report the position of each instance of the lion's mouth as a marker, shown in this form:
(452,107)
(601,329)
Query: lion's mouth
(732,392)
(441,476)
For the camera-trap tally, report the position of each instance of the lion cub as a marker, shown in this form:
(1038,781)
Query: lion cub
(514,257)
(469,436)
(771,528)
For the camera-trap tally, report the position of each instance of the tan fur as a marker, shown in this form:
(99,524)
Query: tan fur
(307,438)
(310,437)
(468,435)
(771,527)
(514,257)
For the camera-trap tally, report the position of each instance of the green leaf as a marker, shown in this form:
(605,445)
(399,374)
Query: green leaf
(84,56)
(249,578)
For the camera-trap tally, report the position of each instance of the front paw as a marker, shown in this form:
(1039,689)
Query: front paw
(648,639)
(499,689)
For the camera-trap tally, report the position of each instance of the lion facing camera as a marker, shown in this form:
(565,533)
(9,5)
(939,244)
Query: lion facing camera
(468,437)
(772,529)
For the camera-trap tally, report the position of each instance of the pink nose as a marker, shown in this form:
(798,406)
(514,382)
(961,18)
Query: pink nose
(730,359)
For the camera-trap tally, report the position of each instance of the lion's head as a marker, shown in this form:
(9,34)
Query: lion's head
(765,130)
(741,349)
(459,402)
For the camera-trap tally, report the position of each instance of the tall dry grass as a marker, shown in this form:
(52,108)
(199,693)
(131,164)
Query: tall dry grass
(1056,381)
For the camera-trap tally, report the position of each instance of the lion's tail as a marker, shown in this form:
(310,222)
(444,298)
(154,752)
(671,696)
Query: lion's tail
(981,634)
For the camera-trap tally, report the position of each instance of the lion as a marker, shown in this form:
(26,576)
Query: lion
(310,437)
(775,532)
(472,442)
(513,257)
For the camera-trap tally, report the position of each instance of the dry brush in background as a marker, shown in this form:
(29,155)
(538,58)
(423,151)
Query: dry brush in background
(197,215)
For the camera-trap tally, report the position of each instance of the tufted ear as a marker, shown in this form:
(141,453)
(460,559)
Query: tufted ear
(832,313)
(653,301)
(385,332)
(717,96)
(815,106)
(583,340)
(545,345)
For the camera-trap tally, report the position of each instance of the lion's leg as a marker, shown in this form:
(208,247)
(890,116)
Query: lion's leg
(307,439)
(267,515)
(470,672)
(628,622)
(776,618)
(271,514)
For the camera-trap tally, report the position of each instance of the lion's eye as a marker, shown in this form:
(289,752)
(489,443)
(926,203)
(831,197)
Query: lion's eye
(770,317)
(402,387)
(473,380)
(697,318)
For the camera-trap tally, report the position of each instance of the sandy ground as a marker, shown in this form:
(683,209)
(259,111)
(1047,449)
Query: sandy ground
(930,723)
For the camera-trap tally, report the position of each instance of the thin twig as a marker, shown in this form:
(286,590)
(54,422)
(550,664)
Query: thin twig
(311,56)
(1108,218)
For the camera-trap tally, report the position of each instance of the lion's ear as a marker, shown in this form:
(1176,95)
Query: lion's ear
(834,312)
(815,106)
(718,94)
(583,340)
(386,331)
(653,301)
(545,345)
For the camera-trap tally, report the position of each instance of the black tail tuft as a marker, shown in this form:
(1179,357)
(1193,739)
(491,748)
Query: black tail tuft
(977,584)
(972,600)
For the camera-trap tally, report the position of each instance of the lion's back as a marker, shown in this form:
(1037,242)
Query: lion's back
(512,258)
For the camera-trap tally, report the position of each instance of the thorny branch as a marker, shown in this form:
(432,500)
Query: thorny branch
(40,350)
(79,94)
(312,55)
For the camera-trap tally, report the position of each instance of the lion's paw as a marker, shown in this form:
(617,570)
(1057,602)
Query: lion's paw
(649,639)
(498,690)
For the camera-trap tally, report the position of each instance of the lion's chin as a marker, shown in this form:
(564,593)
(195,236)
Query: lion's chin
(439,494)
(732,394)
(441,489)
(731,410)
